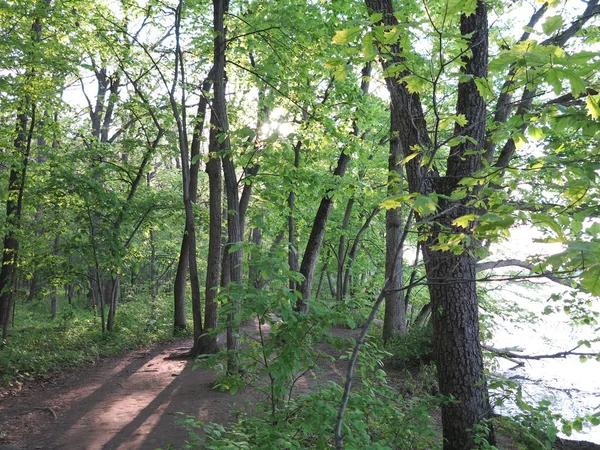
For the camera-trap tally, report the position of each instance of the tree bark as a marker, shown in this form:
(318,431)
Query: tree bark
(219,120)
(179,287)
(208,343)
(394,319)
(317,232)
(293,249)
(451,277)
(14,206)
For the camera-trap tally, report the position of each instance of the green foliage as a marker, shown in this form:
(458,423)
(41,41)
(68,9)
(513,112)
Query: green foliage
(377,418)
(37,347)
(412,349)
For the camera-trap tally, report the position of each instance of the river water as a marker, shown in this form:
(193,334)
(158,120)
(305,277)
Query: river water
(572,386)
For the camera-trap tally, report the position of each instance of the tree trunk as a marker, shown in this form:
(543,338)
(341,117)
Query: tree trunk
(343,251)
(293,249)
(313,247)
(153,280)
(111,296)
(457,349)
(451,277)
(179,287)
(208,343)
(219,120)
(394,320)
(14,204)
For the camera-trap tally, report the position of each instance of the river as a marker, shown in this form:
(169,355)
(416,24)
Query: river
(572,386)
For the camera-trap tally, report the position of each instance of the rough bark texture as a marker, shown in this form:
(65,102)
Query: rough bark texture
(293,249)
(451,277)
(317,232)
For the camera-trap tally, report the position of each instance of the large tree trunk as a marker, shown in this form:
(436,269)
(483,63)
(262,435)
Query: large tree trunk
(457,349)
(451,277)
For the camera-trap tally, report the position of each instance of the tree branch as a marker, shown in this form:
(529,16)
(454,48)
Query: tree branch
(529,266)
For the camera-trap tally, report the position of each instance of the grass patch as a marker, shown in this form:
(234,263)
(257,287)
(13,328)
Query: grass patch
(37,346)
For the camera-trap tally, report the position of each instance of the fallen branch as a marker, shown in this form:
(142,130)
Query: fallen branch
(47,408)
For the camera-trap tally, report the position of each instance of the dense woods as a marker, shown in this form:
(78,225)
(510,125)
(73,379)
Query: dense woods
(178,167)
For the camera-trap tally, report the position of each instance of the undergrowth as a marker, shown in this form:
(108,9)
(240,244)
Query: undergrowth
(37,346)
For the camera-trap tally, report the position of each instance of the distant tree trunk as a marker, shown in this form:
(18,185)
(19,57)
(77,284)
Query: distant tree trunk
(179,287)
(54,297)
(14,205)
(342,251)
(111,298)
(352,253)
(313,246)
(234,230)
(293,249)
(394,320)
(256,238)
(153,280)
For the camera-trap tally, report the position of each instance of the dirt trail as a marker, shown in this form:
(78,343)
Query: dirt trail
(124,403)
(121,403)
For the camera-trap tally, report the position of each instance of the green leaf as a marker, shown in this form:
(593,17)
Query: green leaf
(369,49)
(520,140)
(548,222)
(424,205)
(459,119)
(346,36)
(467,7)
(591,104)
(552,24)
(376,17)
(340,72)
(536,133)
(414,83)
(553,80)
(409,157)
(590,278)
(390,203)
(577,85)
(463,221)
(484,88)
(584,57)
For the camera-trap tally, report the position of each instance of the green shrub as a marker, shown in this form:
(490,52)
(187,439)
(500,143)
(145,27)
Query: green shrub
(412,349)
(376,418)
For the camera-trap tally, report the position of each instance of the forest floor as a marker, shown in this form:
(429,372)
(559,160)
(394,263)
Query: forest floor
(133,401)
(127,402)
